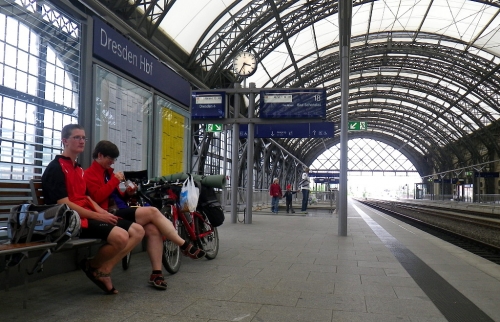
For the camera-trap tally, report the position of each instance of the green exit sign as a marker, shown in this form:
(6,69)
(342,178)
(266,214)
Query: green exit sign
(214,128)
(358,126)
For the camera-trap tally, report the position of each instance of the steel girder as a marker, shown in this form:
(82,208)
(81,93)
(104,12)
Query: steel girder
(214,54)
(148,18)
(303,149)
(460,72)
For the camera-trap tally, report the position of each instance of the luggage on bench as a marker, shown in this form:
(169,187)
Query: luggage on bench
(49,223)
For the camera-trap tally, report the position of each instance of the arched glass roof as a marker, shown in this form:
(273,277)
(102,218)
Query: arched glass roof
(424,74)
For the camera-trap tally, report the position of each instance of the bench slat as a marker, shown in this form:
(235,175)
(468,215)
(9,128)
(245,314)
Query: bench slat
(6,249)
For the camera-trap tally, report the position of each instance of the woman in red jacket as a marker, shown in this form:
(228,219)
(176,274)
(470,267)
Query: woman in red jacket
(276,193)
(102,186)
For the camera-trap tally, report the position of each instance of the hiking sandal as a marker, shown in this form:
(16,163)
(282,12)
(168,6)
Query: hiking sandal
(194,252)
(158,281)
(94,274)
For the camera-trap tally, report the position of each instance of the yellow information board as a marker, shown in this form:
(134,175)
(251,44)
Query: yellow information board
(173,141)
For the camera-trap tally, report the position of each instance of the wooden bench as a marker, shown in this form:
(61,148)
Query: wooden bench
(18,192)
(13,193)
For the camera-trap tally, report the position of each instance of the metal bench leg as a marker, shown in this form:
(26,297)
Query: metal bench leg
(25,291)
(7,278)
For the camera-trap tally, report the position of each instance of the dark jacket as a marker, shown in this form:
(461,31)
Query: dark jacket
(288,195)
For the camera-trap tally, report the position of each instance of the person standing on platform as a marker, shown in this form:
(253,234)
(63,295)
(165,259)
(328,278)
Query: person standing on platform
(288,198)
(304,185)
(276,194)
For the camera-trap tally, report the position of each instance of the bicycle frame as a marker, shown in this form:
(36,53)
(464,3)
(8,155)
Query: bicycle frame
(180,217)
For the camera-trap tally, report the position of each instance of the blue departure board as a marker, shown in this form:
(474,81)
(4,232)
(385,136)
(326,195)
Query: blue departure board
(290,130)
(208,105)
(293,103)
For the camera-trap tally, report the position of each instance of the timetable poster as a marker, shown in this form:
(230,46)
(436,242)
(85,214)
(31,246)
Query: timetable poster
(123,115)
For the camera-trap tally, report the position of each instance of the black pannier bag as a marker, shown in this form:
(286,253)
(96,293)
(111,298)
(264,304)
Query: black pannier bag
(209,205)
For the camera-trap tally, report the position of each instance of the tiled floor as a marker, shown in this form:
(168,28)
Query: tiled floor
(280,268)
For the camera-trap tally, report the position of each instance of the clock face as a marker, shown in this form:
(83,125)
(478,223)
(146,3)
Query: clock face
(244,64)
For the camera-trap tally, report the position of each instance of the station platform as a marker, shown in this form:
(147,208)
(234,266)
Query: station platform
(286,268)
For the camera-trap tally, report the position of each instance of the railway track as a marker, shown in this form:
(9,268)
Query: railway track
(475,232)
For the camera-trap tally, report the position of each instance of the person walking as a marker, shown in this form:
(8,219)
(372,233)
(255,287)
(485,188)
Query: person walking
(288,198)
(304,185)
(276,194)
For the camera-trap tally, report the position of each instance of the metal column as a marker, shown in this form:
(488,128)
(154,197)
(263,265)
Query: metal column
(250,157)
(345,19)
(234,158)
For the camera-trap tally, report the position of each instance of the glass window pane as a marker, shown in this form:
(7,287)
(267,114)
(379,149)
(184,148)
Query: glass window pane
(6,152)
(58,121)
(20,129)
(33,65)
(32,85)
(34,43)
(22,82)
(20,111)
(10,55)
(49,119)
(11,36)
(7,129)
(59,95)
(2,51)
(24,37)
(31,114)
(59,76)
(10,77)
(22,60)
(51,56)
(50,73)
(2,26)
(67,98)
(49,91)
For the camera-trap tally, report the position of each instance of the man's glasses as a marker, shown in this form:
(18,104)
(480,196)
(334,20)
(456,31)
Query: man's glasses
(111,159)
(79,138)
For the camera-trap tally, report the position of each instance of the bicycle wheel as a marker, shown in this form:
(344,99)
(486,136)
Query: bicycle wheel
(171,257)
(209,243)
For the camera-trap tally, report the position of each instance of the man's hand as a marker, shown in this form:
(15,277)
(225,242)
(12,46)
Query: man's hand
(120,176)
(108,218)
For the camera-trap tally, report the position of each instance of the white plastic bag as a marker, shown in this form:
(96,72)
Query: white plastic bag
(189,195)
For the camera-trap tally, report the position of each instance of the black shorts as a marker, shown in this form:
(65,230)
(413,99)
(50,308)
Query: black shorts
(101,230)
